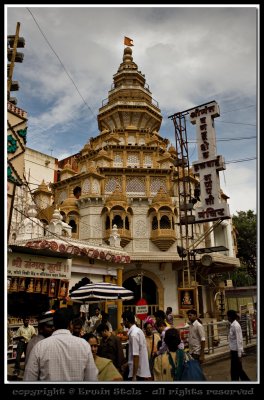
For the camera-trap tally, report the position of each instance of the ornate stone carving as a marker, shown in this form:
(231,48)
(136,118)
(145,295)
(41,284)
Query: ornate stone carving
(140,228)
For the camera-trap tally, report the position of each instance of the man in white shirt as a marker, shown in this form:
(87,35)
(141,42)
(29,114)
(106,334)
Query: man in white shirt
(137,350)
(196,337)
(84,311)
(23,335)
(95,320)
(235,340)
(61,357)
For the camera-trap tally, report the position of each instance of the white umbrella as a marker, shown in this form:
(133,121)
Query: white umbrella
(101,291)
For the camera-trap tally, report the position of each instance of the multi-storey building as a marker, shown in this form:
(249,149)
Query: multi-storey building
(126,176)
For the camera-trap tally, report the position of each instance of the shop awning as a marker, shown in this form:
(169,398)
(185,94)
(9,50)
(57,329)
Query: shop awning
(40,252)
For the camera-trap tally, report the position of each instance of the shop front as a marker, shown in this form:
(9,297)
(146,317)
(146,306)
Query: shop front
(34,281)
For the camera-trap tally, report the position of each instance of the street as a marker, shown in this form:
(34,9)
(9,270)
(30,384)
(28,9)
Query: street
(216,370)
(219,369)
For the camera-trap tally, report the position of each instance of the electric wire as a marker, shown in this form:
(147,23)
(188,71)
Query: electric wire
(74,84)
(238,109)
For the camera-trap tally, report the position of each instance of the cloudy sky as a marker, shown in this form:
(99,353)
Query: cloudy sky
(189,55)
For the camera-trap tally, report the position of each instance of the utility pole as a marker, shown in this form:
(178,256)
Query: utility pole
(14,42)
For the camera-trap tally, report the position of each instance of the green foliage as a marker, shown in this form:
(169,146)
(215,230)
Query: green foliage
(245,223)
(240,277)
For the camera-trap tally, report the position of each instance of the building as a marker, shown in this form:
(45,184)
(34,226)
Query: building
(35,166)
(126,176)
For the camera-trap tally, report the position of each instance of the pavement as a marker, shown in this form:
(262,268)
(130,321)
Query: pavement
(216,366)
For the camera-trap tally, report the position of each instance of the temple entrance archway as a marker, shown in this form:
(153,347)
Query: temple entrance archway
(152,289)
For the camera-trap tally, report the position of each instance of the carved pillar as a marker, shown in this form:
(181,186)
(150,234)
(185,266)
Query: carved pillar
(123,183)
(148,186)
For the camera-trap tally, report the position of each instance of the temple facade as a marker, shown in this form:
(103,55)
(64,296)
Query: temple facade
(125,178)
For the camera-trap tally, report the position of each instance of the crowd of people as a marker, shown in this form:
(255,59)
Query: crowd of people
(69,348)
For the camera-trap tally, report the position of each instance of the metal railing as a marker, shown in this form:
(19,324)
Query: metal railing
(216,335)
(216,332)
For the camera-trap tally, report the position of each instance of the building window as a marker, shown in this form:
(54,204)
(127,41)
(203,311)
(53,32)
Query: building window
(132,160)
(73,224)
(155,223)
(165,222)
(107,222)
(77,192)
(135,185)
(118,222)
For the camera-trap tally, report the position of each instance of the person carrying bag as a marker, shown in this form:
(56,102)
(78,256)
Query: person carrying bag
(185,368)
(192,370)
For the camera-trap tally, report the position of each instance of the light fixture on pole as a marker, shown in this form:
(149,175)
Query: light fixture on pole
(139,281)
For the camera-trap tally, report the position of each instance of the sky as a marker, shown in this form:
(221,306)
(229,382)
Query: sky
(190,55)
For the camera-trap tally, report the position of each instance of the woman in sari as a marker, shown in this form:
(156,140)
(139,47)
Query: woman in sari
(106,369)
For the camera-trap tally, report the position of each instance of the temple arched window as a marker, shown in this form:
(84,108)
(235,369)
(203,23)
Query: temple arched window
(155,224)
(127,223)
(165,223)
(118,222)
(73,224)
(107,222)
(63,216)
(77,191)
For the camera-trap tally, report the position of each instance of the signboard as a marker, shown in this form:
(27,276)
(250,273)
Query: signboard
(142,309)
(209,164)
(38,267)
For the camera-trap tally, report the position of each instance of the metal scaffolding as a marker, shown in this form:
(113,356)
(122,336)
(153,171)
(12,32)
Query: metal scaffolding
(188,195)
(186,217)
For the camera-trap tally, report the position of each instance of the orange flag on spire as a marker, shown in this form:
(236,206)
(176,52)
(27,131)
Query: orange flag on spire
(128,41)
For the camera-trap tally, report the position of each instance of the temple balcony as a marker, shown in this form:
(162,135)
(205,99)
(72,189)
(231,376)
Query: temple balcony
(125,236)
(163,238)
